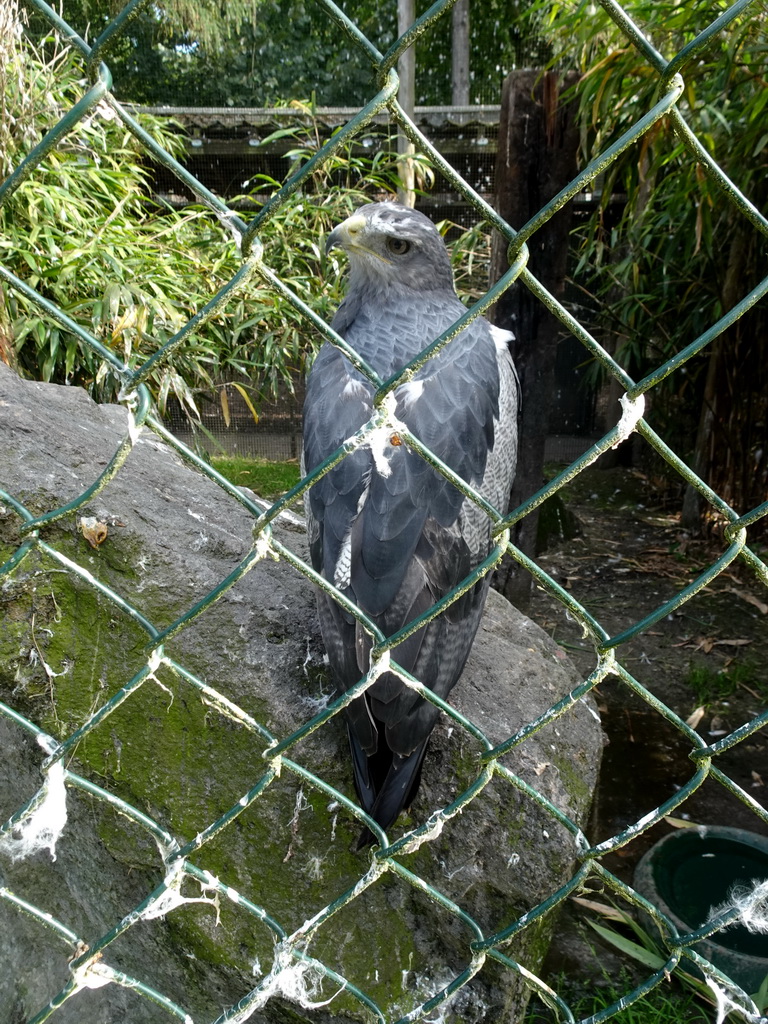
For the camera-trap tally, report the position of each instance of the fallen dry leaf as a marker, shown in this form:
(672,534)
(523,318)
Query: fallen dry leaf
(695,717)
(93,531)
(746,596)
(706,643)
(679,822)
(612,913)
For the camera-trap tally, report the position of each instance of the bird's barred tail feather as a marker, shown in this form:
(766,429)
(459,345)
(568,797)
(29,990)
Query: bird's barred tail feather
(385,783)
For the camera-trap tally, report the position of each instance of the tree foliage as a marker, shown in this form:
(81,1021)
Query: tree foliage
(83,232)
(679,255)
(257,53)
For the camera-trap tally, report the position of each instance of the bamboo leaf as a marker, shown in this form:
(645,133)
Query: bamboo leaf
(247,399)
(633,949)
(224,401)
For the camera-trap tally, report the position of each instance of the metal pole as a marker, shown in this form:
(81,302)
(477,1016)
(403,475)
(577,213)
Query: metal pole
(406,69)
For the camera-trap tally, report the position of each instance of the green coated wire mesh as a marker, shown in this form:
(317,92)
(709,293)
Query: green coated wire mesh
(89,964)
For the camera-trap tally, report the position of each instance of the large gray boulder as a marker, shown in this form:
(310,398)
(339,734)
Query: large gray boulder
(176,753)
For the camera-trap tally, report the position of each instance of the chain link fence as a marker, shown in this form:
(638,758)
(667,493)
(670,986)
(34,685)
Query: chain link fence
(39,819)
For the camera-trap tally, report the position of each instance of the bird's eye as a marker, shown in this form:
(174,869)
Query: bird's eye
(398,246)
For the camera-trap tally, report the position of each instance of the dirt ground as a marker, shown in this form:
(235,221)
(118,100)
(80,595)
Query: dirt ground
(707,661)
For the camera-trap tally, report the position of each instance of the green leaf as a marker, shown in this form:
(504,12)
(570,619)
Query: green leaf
(633,949)
(760,997)
(247,399)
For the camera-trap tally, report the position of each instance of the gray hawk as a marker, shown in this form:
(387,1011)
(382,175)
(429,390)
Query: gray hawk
(388,530)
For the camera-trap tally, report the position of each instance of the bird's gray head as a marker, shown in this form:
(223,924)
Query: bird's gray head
(392,245)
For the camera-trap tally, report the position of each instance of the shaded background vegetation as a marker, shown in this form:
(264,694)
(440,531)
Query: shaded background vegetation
(660,259)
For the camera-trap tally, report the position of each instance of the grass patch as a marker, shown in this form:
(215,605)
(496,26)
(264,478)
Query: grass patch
(265,478)
(710,686)
(664,1005)
(661,1006)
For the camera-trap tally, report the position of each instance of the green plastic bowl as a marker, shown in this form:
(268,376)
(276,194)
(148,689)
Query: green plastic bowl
(689,872)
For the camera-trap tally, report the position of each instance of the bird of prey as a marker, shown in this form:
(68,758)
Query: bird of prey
(385,527)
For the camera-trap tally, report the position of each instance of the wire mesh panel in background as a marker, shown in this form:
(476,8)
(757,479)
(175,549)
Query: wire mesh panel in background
(37,535)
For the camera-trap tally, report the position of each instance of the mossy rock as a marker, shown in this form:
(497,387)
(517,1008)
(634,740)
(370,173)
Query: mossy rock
(178,747)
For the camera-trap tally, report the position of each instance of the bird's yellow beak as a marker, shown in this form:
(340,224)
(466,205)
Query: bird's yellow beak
(346,234)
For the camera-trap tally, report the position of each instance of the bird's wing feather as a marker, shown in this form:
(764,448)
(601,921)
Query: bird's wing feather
(336,405)
(382,515)
(451,406)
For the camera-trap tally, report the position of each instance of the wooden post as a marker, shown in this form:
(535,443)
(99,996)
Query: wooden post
(538,140)
(406,69)
(460,54)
